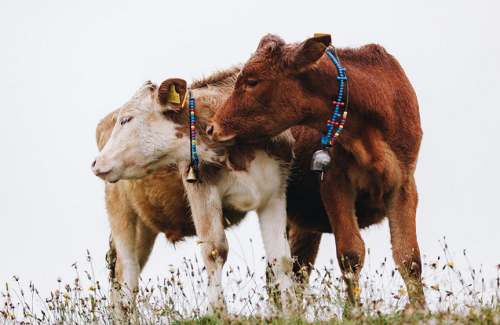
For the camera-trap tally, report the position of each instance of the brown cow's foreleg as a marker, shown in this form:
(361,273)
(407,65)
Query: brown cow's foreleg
(339,198)
(402,223)
(304,246)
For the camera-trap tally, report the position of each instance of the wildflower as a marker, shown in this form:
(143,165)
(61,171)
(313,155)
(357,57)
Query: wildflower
(155,311)
(357,291)
(450,264)
(91,288)
(11,316)
(402,291)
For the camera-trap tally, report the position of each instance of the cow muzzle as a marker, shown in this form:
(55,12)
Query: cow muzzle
(105,174)
(215,133)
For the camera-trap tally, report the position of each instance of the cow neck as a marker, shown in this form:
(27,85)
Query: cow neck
(193,170)
(321,159)
(338,120)
(203,150)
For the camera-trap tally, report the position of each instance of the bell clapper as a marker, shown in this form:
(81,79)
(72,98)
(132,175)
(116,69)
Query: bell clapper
(320,162)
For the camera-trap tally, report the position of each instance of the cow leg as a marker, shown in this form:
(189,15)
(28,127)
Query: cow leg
(206,208)
(127,270)
(402,214)
(272,220)
(111,258)
(339,199)
(144,243)
(304,246)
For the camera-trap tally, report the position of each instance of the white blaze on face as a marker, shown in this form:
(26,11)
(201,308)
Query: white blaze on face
(143,139)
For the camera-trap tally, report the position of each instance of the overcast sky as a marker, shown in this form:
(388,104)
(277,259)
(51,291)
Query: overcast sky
(65,64)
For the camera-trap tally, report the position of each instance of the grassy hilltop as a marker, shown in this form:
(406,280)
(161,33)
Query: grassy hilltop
(454,297)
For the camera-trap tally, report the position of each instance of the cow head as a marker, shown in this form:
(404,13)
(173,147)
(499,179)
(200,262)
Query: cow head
(147,134)
(268,96)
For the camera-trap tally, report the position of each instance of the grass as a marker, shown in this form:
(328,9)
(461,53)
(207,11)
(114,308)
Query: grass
(453,297)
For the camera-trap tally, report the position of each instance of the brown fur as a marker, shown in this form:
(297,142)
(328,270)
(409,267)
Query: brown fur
(371,174)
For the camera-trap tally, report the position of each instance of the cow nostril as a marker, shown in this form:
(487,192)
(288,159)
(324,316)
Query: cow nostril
(210,129)
(93,164)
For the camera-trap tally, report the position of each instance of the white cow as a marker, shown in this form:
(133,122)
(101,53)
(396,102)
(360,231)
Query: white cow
(153,129)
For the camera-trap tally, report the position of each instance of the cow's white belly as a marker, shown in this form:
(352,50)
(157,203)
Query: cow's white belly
(251,189)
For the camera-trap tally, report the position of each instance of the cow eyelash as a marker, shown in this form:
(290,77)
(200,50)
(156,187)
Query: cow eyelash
(125,120)
(251,83)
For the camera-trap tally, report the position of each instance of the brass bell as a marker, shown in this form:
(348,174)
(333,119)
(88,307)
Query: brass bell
(191,175)
(320,162)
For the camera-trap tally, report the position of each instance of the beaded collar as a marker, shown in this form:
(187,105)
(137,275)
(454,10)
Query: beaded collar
(327,141)
(193,171)
(321,159)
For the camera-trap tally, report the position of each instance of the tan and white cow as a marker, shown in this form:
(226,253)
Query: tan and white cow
(139,210)
(152,132)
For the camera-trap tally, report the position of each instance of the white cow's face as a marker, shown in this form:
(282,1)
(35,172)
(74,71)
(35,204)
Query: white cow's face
(144,138)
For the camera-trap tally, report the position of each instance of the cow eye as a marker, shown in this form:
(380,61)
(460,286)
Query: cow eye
(125,120)
(251,83)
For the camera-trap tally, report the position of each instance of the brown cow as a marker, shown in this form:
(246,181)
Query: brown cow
(374,161)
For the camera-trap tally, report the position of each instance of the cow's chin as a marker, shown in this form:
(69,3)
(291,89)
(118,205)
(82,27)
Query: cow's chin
(227,143)
(110,176)
(114,174)
(249,140)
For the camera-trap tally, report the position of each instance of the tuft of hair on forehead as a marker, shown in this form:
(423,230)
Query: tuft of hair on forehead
(269,45)
(146,88)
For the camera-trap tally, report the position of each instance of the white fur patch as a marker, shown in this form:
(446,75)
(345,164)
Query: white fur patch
(250,190)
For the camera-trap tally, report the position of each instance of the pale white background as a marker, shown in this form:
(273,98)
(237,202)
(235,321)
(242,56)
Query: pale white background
(65,64)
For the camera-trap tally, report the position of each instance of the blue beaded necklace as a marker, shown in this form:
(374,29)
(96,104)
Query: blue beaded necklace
(193,171)
(327,141)
(321,159)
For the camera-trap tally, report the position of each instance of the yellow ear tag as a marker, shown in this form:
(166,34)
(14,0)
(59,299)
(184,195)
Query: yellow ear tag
(319,34)
(173,96)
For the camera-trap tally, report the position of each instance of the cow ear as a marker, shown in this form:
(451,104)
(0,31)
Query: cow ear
(172,93)
(309,51)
